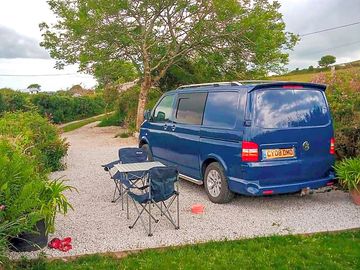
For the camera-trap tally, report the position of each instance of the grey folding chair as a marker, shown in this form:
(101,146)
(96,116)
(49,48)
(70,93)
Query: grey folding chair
(124,182)
(162,191)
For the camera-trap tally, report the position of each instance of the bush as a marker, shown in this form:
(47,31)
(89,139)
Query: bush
(347,142)
(11,101)
(58,107)
(343,94)
(61,108)
(37,136)
(348,171)
(111,120)
(26,194)
(21,184)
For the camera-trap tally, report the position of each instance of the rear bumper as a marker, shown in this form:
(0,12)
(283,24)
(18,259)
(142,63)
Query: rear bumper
(253,188)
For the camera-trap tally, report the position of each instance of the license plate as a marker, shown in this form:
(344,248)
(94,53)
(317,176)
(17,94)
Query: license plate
(278,153)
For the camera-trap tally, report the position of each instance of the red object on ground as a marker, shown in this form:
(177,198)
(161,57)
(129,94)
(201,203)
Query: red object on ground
(62,245)
(197,209)
(66,248)
(55,243)
(66,241)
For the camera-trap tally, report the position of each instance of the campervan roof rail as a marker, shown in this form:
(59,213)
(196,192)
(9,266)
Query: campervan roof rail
(214,84)
(256,81)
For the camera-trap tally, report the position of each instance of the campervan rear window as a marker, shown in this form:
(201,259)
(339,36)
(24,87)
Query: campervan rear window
(287,108)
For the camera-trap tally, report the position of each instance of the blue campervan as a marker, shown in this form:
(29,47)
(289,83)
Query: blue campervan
(252,138)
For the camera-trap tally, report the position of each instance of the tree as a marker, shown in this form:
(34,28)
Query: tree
(114,72)
(327,60)
(2,103)
(248,37)
(34,85)
(110,95)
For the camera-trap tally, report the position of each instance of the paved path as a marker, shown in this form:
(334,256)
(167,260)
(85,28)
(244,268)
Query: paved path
(97,225)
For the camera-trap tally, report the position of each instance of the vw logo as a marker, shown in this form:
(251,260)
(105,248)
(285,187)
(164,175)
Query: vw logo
(306,145)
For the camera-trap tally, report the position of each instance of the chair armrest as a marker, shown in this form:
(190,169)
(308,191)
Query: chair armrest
(143,187)
(110,165)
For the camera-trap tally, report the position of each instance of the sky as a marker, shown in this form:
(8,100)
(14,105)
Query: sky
(21,54)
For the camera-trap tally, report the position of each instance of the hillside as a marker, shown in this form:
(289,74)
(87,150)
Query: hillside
(307,76)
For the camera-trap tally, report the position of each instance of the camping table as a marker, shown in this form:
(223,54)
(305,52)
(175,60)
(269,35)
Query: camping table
(135,167)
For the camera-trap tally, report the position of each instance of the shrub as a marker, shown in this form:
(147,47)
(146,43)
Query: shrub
(344,100)
(62,108)
(37,136)
(26,194)
(58,107)
(347,142)
(111,120)
(348,171)
(11,101)
(21,184)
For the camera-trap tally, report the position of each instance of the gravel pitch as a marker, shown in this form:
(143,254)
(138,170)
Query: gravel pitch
(97,225)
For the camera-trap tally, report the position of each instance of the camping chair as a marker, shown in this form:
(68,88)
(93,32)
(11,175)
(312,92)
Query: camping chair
(161,187)
(124,182)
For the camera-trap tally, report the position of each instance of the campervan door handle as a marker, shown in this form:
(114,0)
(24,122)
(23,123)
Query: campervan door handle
(173,127)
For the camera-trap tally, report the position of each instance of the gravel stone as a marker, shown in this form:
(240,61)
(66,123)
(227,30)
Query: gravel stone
(97,225)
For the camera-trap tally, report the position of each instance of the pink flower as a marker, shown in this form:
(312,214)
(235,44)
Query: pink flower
(2,207)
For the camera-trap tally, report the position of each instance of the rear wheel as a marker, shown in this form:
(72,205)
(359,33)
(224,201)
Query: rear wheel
(146,148)
(216,185)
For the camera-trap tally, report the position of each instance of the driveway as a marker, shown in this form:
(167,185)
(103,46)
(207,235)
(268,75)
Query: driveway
(97,225)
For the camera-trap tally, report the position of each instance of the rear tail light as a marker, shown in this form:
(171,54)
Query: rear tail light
(250,152)
(332,146)
(268,192)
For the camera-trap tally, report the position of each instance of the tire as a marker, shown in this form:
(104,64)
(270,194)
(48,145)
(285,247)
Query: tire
(146,148)
(216,185)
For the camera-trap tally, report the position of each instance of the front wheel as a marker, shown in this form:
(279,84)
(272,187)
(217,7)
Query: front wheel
(216,185)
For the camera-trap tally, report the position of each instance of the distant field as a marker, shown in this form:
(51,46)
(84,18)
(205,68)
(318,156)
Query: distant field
(295,77)
(307,77)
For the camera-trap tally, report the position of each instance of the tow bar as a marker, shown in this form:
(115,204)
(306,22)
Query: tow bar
(308,191)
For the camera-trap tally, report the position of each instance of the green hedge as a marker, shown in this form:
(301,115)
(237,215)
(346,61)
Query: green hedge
(62,109)
(40,138)
(11,101)
(343,94)
(57,107)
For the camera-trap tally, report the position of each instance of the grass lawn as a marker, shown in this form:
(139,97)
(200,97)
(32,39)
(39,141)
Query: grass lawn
(319,251)
(81,123)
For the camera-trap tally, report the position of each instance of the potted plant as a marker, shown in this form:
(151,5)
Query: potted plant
(348,172)
(51,201)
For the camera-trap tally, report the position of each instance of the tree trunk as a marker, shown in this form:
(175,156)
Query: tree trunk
(145,87)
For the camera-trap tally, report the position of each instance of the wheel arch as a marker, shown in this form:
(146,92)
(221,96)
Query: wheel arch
(210,159)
